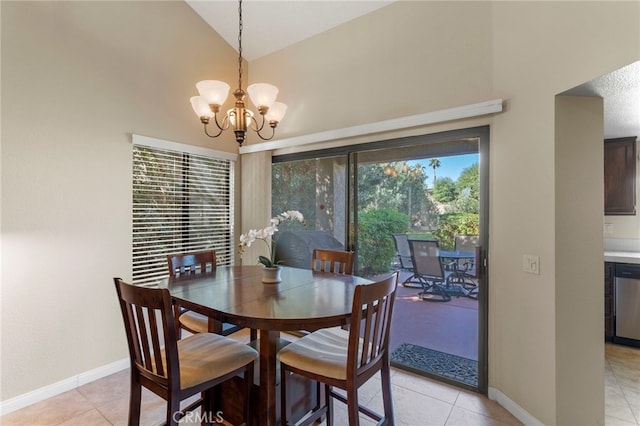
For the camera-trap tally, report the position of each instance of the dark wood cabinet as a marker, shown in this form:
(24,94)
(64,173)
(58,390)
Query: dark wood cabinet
(620,176)
(608,300)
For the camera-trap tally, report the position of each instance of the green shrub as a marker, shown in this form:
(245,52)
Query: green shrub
(376,249)
(450,225)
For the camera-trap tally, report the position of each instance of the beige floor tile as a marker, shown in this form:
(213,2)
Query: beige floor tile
(426,387)
(612,421)
(52,411)
(619,409)
(462,417)
(414,409)
(107,389)
(93,418)
(481,405)
(418,401)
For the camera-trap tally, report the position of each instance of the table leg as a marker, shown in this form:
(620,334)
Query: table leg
(268,397)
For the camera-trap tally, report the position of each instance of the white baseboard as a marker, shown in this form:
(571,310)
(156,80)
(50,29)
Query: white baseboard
(62,386)
(519,413)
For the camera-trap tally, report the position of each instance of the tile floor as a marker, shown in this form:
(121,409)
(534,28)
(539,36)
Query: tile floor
(622,385)
(417,401)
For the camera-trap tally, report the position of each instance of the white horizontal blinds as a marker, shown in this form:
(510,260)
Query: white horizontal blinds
(181,203)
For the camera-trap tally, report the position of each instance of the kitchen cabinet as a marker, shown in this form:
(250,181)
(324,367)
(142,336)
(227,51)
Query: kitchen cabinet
(620,176)
(609,268)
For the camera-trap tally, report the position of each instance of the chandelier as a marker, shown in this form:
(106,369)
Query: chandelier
(213,93)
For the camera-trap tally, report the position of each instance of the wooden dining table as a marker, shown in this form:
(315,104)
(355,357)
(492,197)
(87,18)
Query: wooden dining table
(303,300)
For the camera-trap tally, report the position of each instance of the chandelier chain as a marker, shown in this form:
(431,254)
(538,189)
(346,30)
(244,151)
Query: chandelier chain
(240,44)
(213,94)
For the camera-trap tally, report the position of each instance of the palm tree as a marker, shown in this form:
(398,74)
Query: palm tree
(434,163)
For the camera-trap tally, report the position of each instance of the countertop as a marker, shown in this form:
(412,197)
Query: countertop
(622,256)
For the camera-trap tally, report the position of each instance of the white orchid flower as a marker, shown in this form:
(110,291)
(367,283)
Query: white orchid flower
(268,233)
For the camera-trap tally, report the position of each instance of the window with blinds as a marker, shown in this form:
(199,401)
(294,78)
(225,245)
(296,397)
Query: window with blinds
(182,202)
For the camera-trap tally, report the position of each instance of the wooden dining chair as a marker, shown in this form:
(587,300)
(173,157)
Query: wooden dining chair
(176,369)
(346,359)
(195,263)
(335,261)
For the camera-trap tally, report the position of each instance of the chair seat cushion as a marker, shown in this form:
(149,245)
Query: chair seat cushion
(206,356)
(194,321)
(323,352)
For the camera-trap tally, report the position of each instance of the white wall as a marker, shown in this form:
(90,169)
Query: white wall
(415,57)
(77,79)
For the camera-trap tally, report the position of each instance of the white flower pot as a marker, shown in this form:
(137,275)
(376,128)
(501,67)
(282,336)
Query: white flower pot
(271,275)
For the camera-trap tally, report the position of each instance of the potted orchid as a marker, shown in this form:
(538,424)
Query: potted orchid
(270,263)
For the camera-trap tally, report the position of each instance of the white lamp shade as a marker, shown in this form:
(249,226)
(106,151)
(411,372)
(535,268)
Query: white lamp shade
(201,107)
(263,94)
(213,91)
(276,112)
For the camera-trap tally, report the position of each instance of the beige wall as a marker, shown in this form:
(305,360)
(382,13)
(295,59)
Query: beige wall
(96,72)
(578,190)
(415,57)
(77,79)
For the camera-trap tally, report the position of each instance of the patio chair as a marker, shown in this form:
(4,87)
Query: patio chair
(403,252)
(435,280)
(466,269)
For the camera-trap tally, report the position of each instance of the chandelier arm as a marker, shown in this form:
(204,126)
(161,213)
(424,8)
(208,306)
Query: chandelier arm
(210,135)
(225,122)
(254,124)
(273,132)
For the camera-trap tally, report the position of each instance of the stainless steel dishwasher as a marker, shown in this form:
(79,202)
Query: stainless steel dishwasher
(627,304)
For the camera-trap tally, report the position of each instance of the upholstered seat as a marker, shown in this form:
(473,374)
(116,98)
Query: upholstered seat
(176,369)
(206,356)
(323,352)
(196,263)
(346,359)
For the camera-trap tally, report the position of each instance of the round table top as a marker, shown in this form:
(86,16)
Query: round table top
(304,299)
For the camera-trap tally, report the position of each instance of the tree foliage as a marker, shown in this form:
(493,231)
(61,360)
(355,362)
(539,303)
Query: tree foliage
(454,224)
(398,186)
(445,190)
(376,249)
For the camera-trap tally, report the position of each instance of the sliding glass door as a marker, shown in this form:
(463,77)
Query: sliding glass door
(431,187)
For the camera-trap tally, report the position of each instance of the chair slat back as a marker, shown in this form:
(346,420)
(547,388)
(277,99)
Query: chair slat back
(151,333)
(403,250)
(372,310)
(338,262)
(191,263)
(425,255)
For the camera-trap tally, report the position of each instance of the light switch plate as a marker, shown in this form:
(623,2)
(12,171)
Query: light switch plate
(531,264)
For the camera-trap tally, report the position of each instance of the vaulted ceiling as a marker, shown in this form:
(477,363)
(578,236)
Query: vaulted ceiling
(272,25)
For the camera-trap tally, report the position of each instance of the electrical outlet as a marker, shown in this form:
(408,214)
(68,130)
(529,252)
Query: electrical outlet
(531,264)
(608,228)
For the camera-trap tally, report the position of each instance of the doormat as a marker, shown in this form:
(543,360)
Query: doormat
(424,360)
